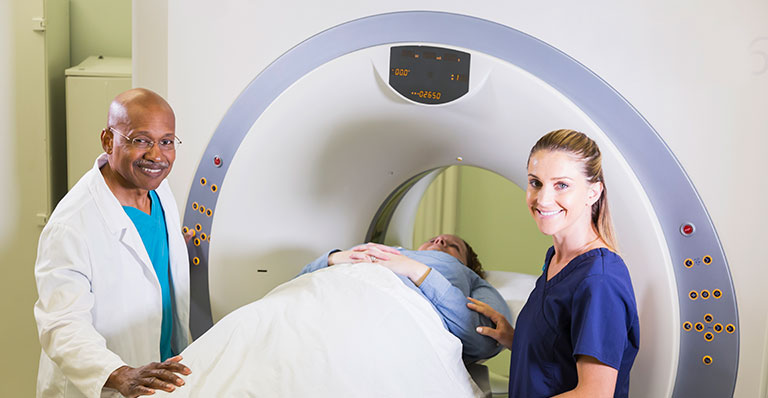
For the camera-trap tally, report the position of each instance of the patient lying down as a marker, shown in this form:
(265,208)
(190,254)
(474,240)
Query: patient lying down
(458,275)
(343,331)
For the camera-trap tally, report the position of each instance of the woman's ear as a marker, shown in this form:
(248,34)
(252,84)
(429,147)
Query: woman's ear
(595,191)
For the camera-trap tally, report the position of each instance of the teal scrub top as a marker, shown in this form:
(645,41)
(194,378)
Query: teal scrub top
(154,234)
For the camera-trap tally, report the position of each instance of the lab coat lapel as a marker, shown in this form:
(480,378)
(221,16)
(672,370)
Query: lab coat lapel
(177,256)
(179,262)
(117,220)
(129,237)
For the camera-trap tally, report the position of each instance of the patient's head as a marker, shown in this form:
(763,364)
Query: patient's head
(458,248)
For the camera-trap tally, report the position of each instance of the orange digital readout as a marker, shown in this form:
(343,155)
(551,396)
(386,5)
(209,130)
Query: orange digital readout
(427,94)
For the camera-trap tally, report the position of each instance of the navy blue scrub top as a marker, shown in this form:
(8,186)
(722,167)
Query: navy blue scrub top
(588,308)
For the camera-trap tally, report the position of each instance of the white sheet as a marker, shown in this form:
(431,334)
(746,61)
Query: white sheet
(344,331)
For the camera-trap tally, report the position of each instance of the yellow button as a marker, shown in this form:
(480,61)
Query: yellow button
(707,360)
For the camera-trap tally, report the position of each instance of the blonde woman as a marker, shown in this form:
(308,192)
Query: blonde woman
(578,333)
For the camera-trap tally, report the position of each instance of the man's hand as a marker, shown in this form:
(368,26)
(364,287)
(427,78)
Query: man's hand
(189,235)
(134,382)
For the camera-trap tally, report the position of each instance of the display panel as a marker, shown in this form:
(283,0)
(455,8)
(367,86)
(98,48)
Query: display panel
(429,75)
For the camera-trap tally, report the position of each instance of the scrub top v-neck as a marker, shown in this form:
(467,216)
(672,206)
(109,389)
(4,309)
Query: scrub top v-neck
(588,308)
(154,234)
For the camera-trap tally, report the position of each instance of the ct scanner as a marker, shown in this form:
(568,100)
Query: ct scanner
(287,174)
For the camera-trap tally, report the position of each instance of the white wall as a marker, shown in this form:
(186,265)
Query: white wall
(99,27)
(150,45)
(696,70)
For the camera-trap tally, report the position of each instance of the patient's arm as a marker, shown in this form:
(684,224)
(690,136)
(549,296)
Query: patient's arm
(447,287)
(450,301)
(391,258)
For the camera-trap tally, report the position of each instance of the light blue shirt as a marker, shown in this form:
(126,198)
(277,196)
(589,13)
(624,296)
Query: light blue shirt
(447,287)
(154,234)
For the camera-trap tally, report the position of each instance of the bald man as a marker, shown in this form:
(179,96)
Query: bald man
(112,269)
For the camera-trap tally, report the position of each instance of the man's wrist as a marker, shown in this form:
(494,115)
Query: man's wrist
(113,381)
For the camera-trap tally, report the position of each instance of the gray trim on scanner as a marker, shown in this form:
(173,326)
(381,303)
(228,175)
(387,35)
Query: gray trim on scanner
(669,189)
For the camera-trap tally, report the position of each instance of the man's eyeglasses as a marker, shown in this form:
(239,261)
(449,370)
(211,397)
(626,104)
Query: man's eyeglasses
(165,144)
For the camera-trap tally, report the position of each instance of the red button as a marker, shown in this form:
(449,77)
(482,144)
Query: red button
(217,161)
(687,229)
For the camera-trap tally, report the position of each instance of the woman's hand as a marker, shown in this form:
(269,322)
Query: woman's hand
(503,332)
(362,254)
(382,249)
(346,257)
(391,258)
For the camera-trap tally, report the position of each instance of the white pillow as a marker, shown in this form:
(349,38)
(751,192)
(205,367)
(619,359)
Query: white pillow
(515,287)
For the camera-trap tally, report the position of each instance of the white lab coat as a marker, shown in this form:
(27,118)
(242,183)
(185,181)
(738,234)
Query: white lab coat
(100,303)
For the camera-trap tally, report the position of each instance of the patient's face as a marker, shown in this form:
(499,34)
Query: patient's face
(450,244)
